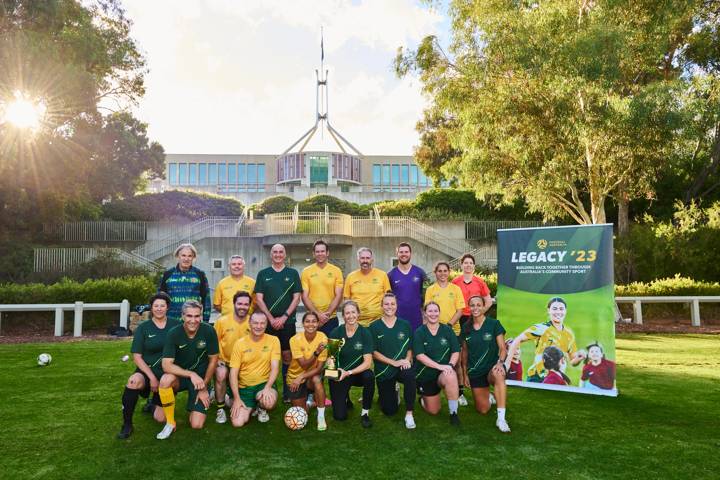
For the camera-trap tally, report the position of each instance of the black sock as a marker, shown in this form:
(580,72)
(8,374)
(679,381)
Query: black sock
(460,390)
(129,400)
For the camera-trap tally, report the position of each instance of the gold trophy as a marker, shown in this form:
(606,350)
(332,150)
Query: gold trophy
(333,347)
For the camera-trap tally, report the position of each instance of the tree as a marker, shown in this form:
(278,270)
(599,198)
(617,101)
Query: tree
(564,103)
(78,59)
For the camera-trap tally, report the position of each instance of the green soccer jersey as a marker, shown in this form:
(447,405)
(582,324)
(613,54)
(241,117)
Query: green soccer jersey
(192,353)
(438,347)
(149,341)
(278,289)
(393,342)
(482,346)
(351,354)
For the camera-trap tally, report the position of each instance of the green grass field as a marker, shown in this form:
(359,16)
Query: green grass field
(60,422)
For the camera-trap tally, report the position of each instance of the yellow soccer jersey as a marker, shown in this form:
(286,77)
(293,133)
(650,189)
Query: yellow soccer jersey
(301,348)
(450,299)
(320,284)
(253,359)
(367,291)
(226,289)
(546,335)
(228,332)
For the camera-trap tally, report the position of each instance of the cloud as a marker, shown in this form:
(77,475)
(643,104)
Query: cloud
(238,76)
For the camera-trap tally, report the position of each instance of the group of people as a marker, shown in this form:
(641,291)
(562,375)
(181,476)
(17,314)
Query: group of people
(394,332)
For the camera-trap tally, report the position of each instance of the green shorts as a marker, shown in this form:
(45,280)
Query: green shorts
(249,394)
(193,404)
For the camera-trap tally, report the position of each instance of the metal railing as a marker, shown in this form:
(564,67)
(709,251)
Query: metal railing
(52,259)
(204,228)
(694,302)
(485,255)
(78,308)
(487,229)
(311,223)
(98,231)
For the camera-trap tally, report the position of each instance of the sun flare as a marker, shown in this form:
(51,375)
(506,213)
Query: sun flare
(24,113)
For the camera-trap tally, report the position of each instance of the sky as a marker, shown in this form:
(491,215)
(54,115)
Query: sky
(238,76)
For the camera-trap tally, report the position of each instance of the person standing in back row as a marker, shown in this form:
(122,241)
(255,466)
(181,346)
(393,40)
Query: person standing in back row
(366,286)
(406,281)
(185,282)
(322,284)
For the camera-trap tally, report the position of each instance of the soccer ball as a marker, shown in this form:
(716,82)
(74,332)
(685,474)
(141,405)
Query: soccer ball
(296,418)
(44,359)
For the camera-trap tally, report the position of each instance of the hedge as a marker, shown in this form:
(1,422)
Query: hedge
(172,204)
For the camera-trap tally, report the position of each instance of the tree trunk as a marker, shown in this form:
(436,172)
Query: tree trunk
(623,211)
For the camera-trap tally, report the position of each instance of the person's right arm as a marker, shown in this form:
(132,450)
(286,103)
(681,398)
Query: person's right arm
(515,345)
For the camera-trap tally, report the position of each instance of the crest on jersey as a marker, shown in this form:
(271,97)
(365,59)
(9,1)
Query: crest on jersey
(487,336)
(401,336)
(358,346)
(201,344)
(443,341)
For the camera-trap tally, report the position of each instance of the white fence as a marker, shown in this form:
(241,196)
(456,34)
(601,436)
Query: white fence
(694,302)
(78,308)
(60,259)
(98,231)
(314,223)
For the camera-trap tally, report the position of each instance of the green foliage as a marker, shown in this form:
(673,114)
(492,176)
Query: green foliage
(317,203)
(276,204)
(16,261)
(674,286)
(135,289)
(688,247)
(172,204)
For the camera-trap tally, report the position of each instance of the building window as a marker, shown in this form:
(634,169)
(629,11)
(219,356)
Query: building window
(423,179)
(192,176)
(376,177)
(172,173)
(242,174)
(404,174)
(413,175)
(252,173)
(232,173)
(395,175)
(222,173)
(261,177)
(202,173)
(386,174)
(212,173)
(183,175)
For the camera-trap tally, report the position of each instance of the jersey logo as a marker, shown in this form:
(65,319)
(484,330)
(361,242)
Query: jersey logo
(151,336)
(375,280)
(416,279)
(182,346)
(201,344)
(443,341)
(265,348)
(268,279)
(358,345)
(401,335)
(381,336)
(287,279)
(396,282)
(487,336)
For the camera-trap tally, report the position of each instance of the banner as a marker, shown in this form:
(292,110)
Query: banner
(556,300)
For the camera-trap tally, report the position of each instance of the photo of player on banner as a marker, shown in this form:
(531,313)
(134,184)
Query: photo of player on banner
(562,278)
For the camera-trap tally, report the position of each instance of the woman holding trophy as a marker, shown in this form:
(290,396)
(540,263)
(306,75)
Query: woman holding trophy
(349,364)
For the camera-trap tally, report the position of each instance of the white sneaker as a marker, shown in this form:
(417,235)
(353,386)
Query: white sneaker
(221,416)
(492,399)
(322,425)
(502,426)
(409,422)
(263,416)
(165,433)
(462,401)
(310,402)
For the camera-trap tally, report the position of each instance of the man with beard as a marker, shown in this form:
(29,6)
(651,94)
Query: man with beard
(407,281)
(366,286)
(322,284)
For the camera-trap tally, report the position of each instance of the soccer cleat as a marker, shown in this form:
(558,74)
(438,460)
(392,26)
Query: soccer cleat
(328,402)
(454,420)
(365,421)
(322,425)
(462,401)
(263,416)
(502,426)
(125,431)
(165,433)
(492,399)
(221,416)
(409,422)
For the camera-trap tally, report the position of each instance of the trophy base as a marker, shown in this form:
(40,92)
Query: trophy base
(332,374)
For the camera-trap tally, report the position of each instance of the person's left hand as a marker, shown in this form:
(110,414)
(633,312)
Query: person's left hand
(204,397)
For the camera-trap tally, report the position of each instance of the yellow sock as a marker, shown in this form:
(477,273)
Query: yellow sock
(167,397)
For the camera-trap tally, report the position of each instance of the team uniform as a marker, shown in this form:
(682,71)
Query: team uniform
(301,348)
(394,343)
(253,361)
(515,371)
(320,285)
(450,299)
(476,287)
(367,291)
(278,289)
(482,350)
(546,335)
(439,348)
(186,285)
(191,354)
(226,289)
(556,378)
(229,331)
(349,357)
(408,289)
(600,376)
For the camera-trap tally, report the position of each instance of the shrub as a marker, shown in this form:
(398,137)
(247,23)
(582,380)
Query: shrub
(172,204)
(672,286)
(276,204)
(317,203)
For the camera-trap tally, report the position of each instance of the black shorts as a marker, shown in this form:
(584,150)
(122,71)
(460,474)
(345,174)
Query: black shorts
(480,381)
(285,334)
(301,392)
(145,392)
(429,388)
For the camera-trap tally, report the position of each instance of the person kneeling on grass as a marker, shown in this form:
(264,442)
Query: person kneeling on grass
(354,362)
(189,360)
(147,349)
(306,368)
(436,347)
(483,353)
(254,367)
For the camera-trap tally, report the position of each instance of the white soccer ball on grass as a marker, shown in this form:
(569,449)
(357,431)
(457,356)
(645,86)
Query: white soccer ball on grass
(44,359)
